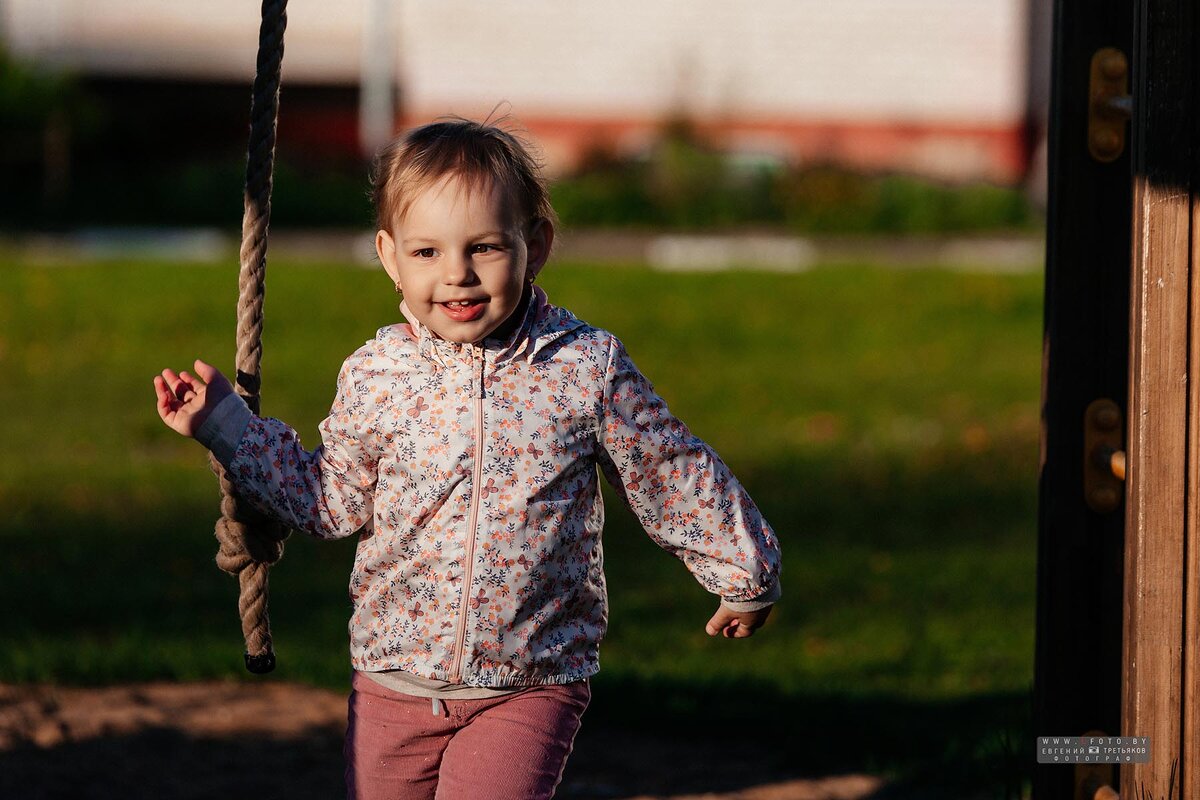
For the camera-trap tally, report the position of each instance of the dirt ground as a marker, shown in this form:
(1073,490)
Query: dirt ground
(278,740)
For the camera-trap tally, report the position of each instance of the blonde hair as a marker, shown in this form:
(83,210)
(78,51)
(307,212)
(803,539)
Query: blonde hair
(481,154)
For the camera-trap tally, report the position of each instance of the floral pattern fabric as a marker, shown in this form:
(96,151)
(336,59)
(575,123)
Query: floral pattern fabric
(471,472)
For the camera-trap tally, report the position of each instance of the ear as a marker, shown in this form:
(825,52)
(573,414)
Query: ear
(385,246)
(538,243)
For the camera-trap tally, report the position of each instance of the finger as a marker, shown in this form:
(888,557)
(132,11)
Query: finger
(206,371)
(189,387)
(160,390)
(743,632)
(725,623)
(163,390)
(717,623)
(167,403)
(737,629)
(174,381)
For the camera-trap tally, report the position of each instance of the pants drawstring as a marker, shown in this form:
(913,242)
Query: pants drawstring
(440,709)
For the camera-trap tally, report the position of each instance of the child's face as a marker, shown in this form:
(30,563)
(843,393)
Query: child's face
(461,258)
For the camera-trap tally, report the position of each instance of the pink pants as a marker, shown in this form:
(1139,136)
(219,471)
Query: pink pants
(514,746)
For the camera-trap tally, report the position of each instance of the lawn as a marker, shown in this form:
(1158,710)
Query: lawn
(886,421)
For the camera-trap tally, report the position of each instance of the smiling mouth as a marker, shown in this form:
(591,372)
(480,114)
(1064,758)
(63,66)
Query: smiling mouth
(462,310)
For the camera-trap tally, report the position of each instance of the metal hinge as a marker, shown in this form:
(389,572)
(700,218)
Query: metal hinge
(1103,456)
(1109,104)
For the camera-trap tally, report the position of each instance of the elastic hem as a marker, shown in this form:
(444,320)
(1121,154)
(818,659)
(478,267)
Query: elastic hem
(494,681)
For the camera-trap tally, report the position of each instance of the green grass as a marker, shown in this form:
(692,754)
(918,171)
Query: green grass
(886,422)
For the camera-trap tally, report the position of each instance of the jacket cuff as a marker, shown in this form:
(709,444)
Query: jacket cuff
(765,599)
(222,431)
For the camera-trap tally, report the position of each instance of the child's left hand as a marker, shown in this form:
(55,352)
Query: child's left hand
(736,624)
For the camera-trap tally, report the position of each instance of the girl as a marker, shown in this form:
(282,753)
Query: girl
(463,447)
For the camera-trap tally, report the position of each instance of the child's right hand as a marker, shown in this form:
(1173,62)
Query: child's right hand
(184,401)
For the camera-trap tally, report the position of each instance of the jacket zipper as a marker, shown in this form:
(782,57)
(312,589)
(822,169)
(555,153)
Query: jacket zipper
(460,640)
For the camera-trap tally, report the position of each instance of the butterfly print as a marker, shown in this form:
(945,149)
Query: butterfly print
(418,407)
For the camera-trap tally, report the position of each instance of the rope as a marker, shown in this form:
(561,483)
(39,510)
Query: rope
(249,541)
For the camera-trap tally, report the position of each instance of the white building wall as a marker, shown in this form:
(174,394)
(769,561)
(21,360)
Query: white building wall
(956,61)
(215,39)
(853,59)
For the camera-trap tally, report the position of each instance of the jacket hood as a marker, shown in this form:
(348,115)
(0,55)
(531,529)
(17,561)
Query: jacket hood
(541,323)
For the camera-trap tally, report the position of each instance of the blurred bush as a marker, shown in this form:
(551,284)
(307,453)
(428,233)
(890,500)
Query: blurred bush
(75,153)
(684,183)
(209,192)
(42,115)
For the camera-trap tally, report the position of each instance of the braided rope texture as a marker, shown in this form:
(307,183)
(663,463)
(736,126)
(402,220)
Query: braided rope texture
(249,542)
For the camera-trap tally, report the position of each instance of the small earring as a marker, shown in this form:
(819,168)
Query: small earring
(397,287)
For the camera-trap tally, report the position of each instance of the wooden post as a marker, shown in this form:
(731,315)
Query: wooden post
(1077,682)
(1160,680)
(1190,745)
(1158,545)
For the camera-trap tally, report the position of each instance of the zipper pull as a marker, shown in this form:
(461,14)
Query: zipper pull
(482,365)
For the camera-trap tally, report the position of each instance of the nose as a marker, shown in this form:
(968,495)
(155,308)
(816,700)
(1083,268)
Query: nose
(457,270)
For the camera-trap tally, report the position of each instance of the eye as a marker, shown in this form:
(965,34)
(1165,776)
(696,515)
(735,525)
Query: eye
(425,252)
(483,248)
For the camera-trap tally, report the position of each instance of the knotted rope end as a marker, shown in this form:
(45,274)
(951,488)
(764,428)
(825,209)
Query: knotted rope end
(260,664)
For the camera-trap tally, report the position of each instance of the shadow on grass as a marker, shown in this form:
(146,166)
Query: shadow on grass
(164,762)
(678,739)
(119,601)
(921,750)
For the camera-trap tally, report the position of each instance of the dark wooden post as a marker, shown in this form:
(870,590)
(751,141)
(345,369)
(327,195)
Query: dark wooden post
(1077,684)
(1161,682)
(1149,561)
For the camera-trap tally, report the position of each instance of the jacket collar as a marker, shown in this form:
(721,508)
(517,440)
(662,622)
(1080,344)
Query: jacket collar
(541,324)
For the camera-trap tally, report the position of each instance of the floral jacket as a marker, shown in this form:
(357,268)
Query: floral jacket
(471,472)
